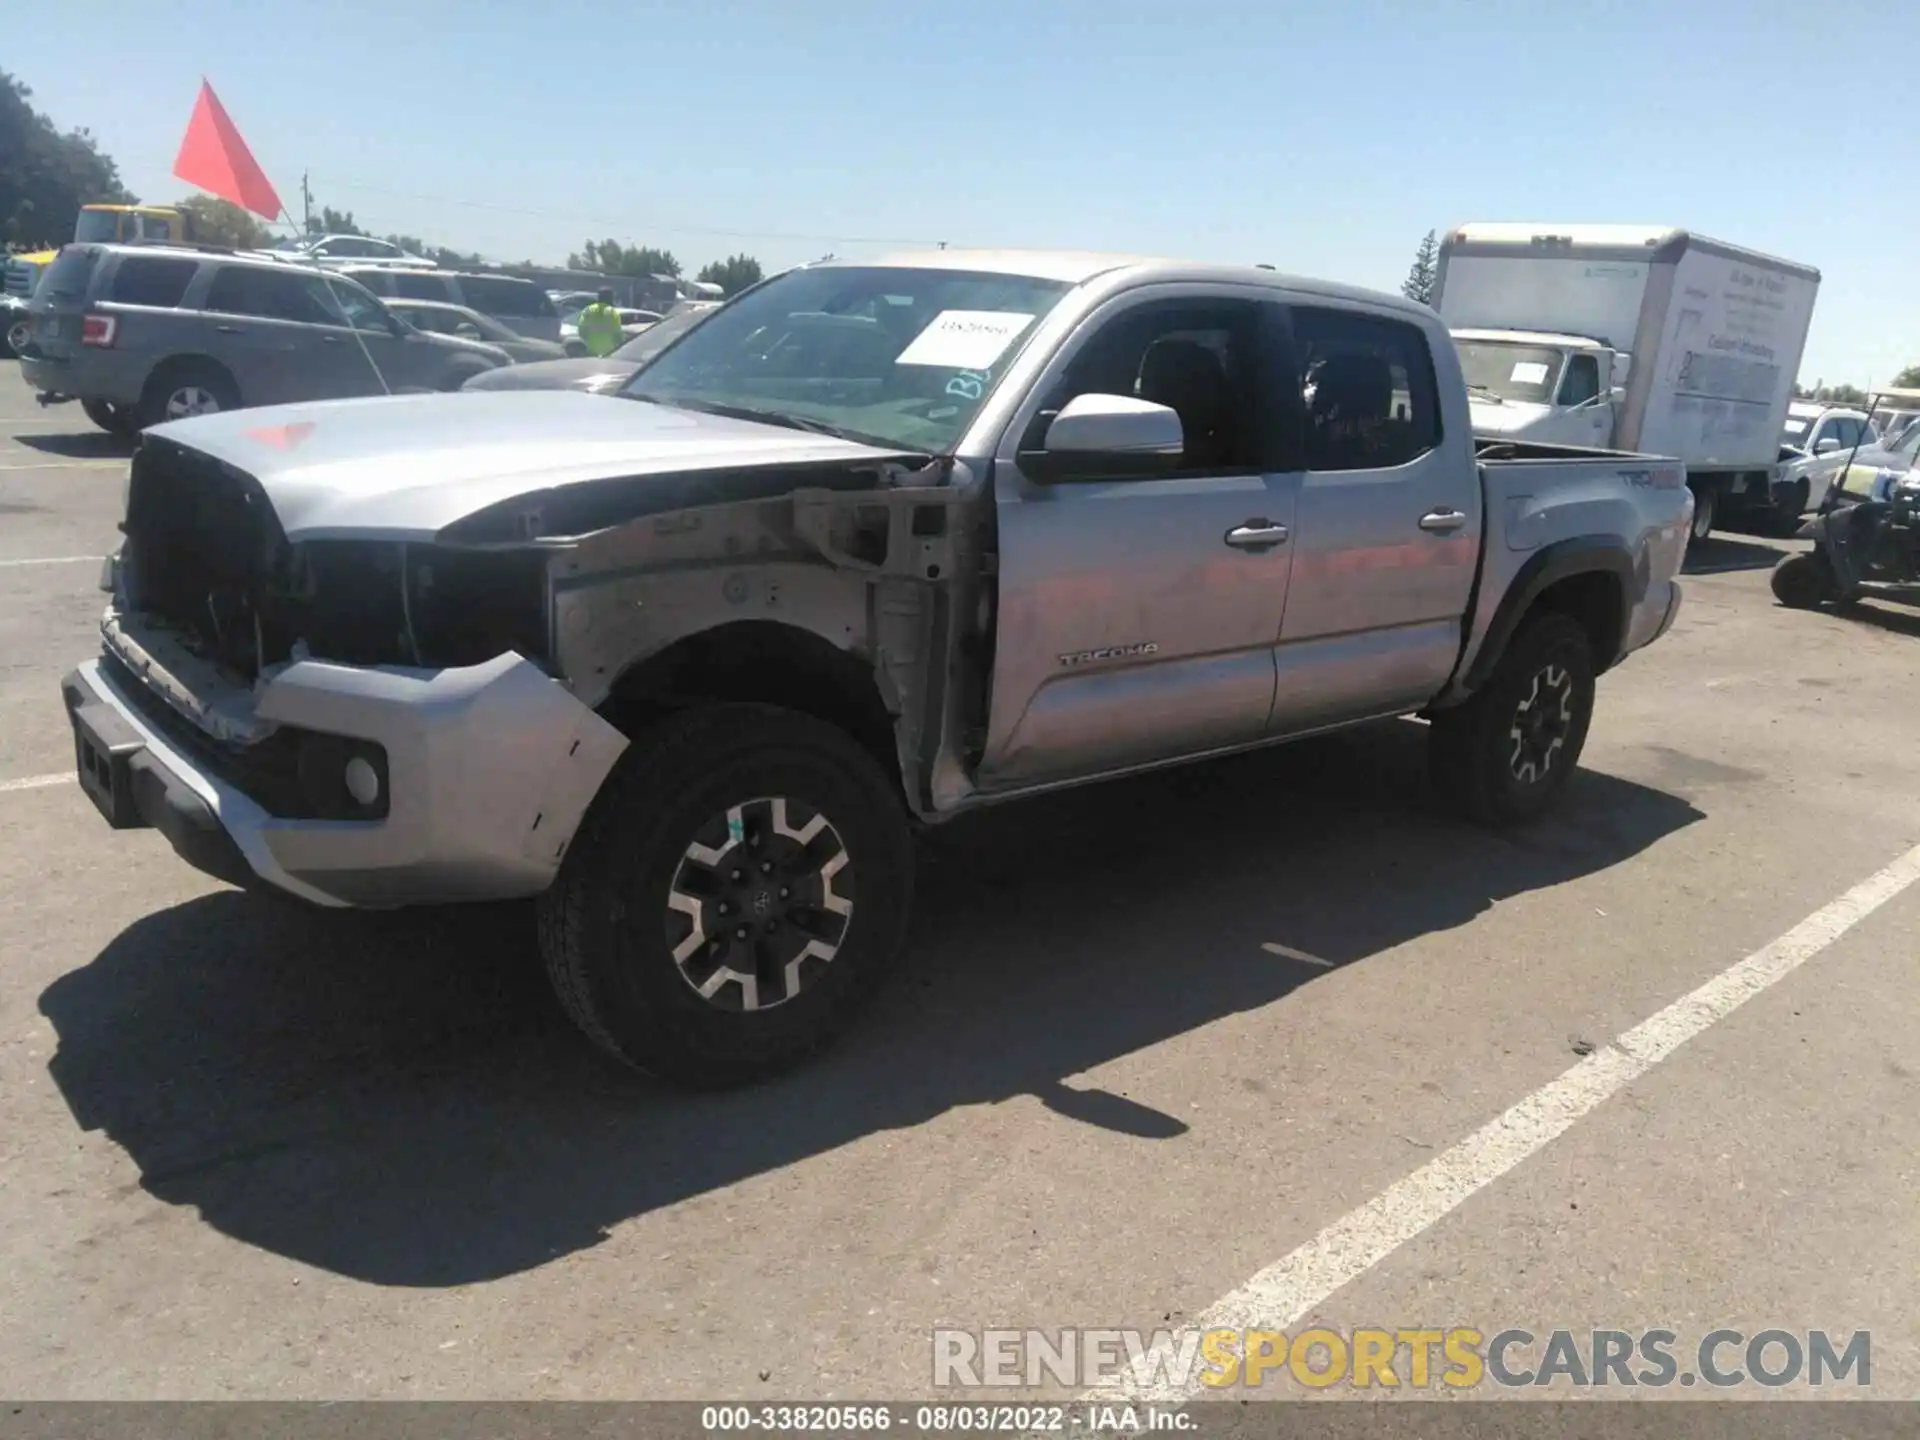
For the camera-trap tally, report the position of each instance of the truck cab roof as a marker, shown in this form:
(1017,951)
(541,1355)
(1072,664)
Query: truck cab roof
(1534,337)
(1076,267)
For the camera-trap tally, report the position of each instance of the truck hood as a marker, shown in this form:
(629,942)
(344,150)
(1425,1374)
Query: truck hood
(405,467)
(1505,419)
(591,375)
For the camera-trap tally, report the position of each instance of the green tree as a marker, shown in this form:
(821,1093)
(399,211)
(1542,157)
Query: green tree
(1908,379)
(439,254)
(1843,395)
(46,174)
(1420,277)
(610,257)
(330,221)
(213,221)
(733,274)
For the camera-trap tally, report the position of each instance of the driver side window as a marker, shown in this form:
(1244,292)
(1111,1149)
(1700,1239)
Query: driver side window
(1199,358)
(1582,381)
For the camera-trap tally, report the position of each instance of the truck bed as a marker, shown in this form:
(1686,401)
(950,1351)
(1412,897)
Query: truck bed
(1495,451)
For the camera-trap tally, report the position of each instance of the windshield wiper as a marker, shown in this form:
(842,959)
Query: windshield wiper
(748,412)
(1489,393)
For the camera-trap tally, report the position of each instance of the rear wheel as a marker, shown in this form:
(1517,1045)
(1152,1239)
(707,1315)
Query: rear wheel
(1704,506)
(18,333)
(1803,582)
(114,419)
(737,891)
(1505,756)
(185,389)
(1790,504)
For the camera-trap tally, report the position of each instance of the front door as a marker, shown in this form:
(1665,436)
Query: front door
(363,356)
(1138,612)
(1589,415)
(261,328)
(1388,527)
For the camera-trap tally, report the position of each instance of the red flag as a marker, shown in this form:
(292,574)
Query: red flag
(214,157)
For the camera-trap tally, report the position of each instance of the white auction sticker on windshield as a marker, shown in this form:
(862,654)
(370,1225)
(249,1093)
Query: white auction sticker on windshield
(964,339)
(1529,372)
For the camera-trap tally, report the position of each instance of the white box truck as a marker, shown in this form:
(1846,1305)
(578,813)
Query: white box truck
(1631,337)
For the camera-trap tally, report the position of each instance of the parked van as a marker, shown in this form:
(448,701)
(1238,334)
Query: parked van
(520,305)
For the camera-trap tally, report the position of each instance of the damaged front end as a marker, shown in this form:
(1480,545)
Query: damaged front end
(423,719)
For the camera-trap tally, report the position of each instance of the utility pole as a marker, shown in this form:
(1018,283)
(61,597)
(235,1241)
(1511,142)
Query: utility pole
(306,207)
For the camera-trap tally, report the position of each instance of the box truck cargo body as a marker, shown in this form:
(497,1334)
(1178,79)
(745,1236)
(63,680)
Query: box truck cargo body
(1631,337)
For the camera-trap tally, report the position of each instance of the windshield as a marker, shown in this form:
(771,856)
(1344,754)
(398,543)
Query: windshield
(1907,447)
(902,357)
(1527,373)
(655,338)
(96,226)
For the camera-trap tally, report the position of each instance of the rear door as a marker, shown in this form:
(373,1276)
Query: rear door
(520,305)
(61,300)
(261,325)
(1137,615)
(1388,527)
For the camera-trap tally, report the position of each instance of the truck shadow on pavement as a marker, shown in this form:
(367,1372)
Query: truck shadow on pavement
(396,1099)
(82,445)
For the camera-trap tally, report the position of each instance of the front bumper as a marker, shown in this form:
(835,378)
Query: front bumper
(490,769)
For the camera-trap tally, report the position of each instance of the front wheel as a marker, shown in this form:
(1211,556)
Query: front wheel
(1790,504)
(18,334)
(736,893)
(1505,756)
(1804,582)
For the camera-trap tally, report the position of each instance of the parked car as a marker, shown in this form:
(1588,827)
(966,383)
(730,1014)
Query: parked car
(596,376)
(440,318)
(873,545)
(14,323)
(334,250)
(141,334)
(1814,445)
(520,305)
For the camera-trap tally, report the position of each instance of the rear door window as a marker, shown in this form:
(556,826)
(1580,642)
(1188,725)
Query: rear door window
(419,287)
(498,295)
(67,276)
(159,280)
(1371,398)
(269,295)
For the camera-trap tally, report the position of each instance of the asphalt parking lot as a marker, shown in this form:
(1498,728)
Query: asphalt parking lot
(1156,1039)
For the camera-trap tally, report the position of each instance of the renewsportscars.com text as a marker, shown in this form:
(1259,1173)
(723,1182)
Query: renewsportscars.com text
(1458,1358)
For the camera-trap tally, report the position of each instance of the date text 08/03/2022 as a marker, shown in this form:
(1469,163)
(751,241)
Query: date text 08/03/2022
(962,1419)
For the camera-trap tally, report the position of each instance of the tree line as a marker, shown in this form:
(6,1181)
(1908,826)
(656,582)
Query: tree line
(47,174)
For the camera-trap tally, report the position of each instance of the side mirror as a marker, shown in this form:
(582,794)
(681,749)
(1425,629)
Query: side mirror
(1826,445)
(1617,395)
(1114,426)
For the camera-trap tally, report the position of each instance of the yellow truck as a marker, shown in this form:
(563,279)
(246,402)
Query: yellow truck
(156,224)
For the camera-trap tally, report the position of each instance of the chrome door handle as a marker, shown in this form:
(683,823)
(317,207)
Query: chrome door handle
(231,329)
(1259,534)
(1442,520)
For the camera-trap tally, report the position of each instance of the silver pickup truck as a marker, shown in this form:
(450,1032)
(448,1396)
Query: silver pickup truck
(877,543)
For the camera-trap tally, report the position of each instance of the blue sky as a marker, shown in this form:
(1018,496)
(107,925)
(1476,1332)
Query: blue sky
(1322,139)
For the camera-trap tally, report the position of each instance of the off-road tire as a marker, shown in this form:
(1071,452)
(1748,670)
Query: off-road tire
(114,419)
(603,923)
(1472,748)
(1803,582)
(175,375)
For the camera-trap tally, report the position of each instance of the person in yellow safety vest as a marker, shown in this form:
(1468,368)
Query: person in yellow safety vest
(599,326)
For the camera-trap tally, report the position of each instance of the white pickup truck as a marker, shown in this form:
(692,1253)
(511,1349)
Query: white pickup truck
(873,545)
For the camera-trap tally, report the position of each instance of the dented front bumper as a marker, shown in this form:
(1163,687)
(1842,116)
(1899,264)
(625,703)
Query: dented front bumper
(484,774)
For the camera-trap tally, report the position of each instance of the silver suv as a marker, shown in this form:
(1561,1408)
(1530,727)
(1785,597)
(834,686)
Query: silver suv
(141,334)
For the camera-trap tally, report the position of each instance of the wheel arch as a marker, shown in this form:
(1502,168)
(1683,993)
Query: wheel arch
(188,360)
(765,662)
(1593,579)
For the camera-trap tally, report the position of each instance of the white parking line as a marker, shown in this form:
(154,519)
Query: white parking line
(120,464)
(36,782)
(55,560)
(1294,1287)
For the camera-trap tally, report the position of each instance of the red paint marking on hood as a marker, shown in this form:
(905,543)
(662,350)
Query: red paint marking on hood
(283,437)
